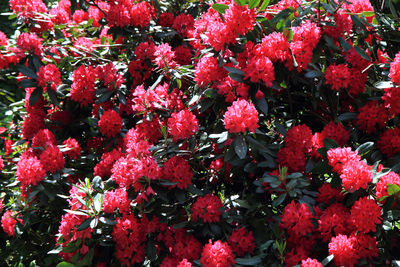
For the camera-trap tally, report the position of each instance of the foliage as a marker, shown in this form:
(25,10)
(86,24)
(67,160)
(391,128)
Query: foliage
(191,133)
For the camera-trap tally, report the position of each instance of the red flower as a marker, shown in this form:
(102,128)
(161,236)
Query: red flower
(29,171)
(389,142)
(296,219)
(110,123)
(8,222)
(338,76)
(365,213)
(395,69)
(344,250)
(116,199)
(218,254)
(381,186)
(242,242)
(241,116)
(182,124)
(207,208)
(310,263)
(74,151)
(49,75)
(52,159)
(176,169)
(356,174)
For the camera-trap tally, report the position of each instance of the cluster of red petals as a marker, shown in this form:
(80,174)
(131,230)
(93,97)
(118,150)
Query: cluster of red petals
(207,208)
(217,254)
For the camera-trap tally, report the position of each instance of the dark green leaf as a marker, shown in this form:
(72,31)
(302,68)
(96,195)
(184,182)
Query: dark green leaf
(348,116)
(107,221)
(236,77)
(35,96)
(240,146)
(121,98)
(362,53)
(364,148)
(85,224)
(330,143)
(279,200)
(345,45)
(281,129)
(167,183)
(53,97)
(328,7)
(234,70)
(27,72)
(180,225)
(330,43)
(262,105)
(220,8)
(356,20)
(248,261)
(104,97)
(313,74)
(25,83)
(281,15)
(151,250)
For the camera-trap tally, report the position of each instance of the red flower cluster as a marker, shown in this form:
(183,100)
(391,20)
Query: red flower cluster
(207,208)
(218,254)
(241,116)
(110,123)
(182,124)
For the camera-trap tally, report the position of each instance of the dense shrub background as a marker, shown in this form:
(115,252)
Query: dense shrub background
(194,133)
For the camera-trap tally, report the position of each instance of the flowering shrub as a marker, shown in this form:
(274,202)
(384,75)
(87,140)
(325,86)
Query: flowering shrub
(200,133)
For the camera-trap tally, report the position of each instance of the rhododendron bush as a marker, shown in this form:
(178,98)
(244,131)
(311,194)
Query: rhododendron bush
(200,133)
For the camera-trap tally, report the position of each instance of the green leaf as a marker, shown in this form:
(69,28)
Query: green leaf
(364,148)
(240,2)
(65,264)
(107,221)
(35,96)
(356,20)
(105,97)
(330,43)
(279,200)
(85,224)
(313,74)
(180,225)
(330,143)
(240,146)
(98,202)
(327,260)
(254,3)
(151,250)
(383,84)
(25,83)
(345,45)
(53,96)
(248,261)
(262,105)
(362,53)
(27,71)
(167,183)
(264,5)
(281,15)
(348,116)
(220,8)
(392,189)
(328,7)
(235,70)
(236,77)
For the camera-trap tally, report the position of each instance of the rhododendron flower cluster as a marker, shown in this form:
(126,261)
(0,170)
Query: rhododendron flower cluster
(207,208)
(240,117)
